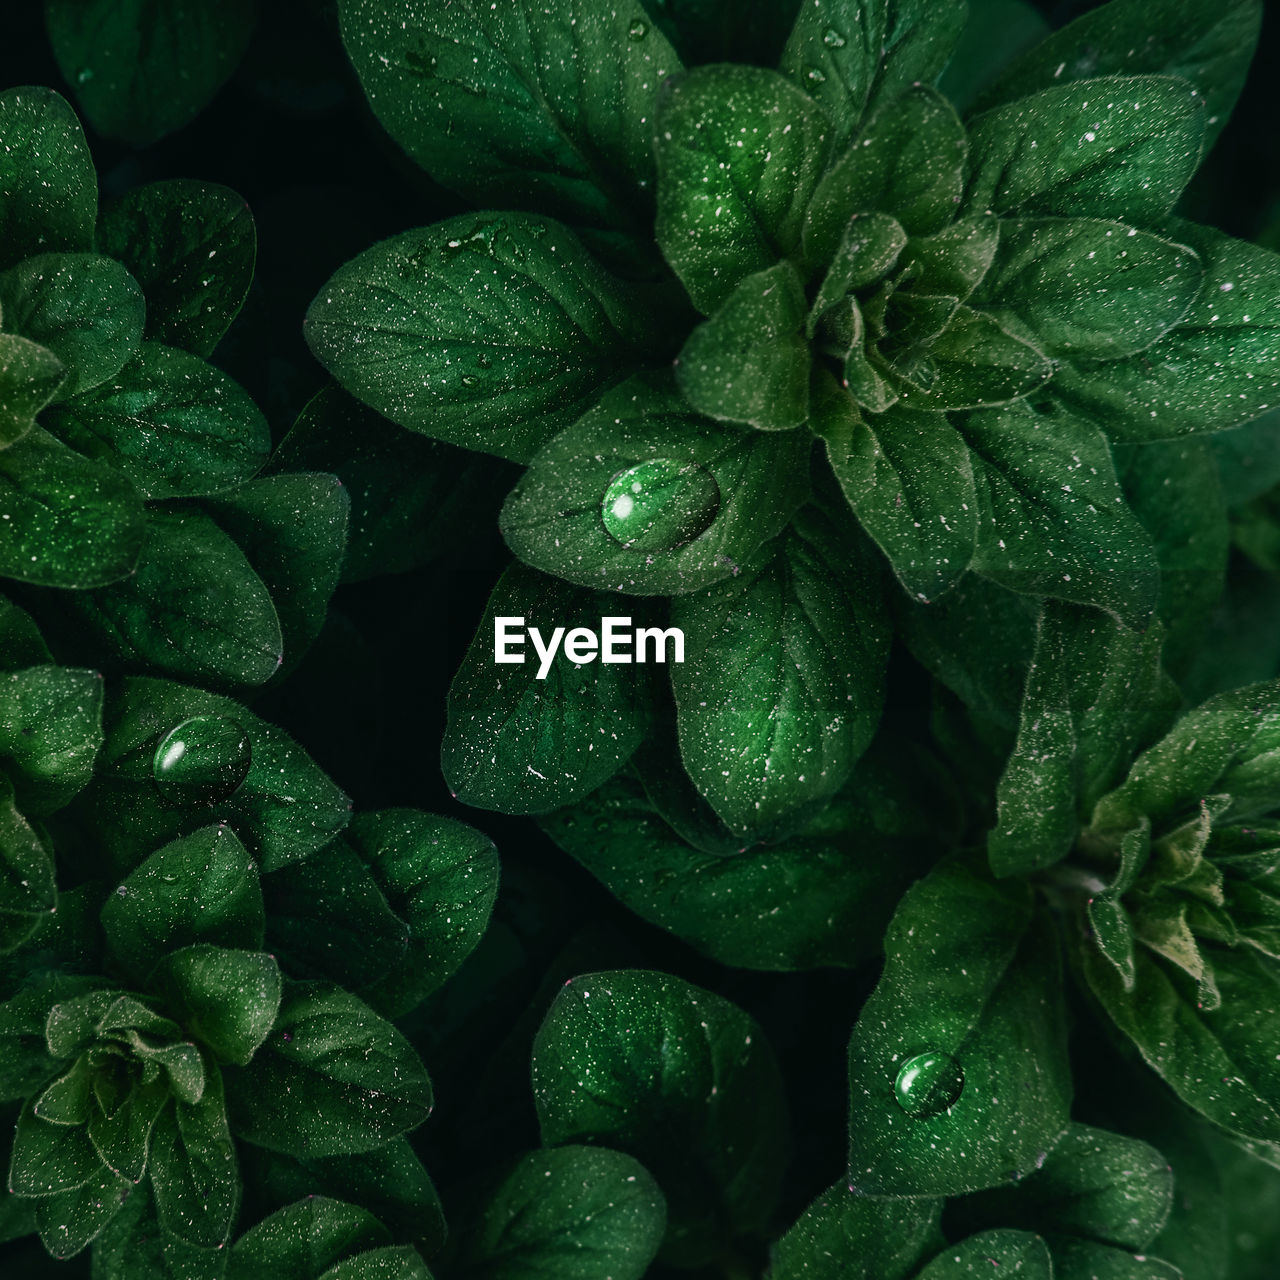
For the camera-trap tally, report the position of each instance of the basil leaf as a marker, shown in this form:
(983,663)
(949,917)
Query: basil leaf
(1016,1253)
(193,607)
(140,72)
(1095,697)
(868,249)
(193,1169)
(333,1078)
(69,1221)
(21,644)
(909,479)
(786,665)
(191,246)
(750,363)
(1113,147)
(572,1212)
(677,1077)
(85,308)
(441,877)
(65,521)
(1211,47)
(50,1158)
(27,888)
(492,331)
(293,531)
(50,733)
(727,210)
(1075,1259)
(412,498)
(30,377)
(1089,288)
(176,426)
(48,185)
(841,1236)
(955,261)
(997,32)
(545,106)
(1213,371)
(1051,515)
(708,495)
(967,1009)
(304,1239)
(520,744)
(847,54)
(203,888)
(1217,1061)
(283,807)
(909,161)
(795,904)
(1097,1185)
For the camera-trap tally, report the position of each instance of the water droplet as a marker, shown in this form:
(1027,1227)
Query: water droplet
(833,39)
(483,361)
(816,76)
(469,380)
(84,75)
(637,30)
(202,761)
(660,504)
(928,1084)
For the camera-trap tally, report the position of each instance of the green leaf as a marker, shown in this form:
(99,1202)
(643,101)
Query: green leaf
(283,808)
(997,32)
(83,307)
(65,521)
(1087,288)
(750,363)
(293,531)
(842,1236)
(333,1078)
(1217,369)
(570,1213)
(50,733)
(176,426)
(868,249)
(48,185)
(1095,696)
(71,1220)
(1051,515)
(1210,46)
(1095,1184)
(1220,1062)
(441,878)
(967,1009)
(1115,147)
(412,498)
(709,495)
(519,742)
(304,1239)
(226,999)
(1011,1253)
(50,1158)
(909,161)
(1075,1259)
(193,607)
(30,377)
(121,1138)
(1248,458)
(21,644)
(140,71)
(677,1077)
(847,55)
(27,887)
(783,686)
(329,919)
(192,247)
(954,262)
(795,904)
(493,331)
(725,209)
(390,1182)
(194,1178)
(909,479)
(203,888)
(544,106)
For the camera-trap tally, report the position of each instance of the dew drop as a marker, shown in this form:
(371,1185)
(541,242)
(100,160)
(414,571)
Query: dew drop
(202,761)
(928,1084)
(660,504)
(637,30)
(833,39)
(815,76)
(84,75)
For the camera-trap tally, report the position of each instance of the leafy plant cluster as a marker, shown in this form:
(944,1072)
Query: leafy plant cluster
(864,341)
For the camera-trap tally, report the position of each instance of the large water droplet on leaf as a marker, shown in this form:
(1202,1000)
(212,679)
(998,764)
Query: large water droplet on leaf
(202,761)
(660,504)
(833,39)
(638,30)
(928,1084)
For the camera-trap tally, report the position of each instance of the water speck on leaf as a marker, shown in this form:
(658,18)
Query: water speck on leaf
(833,39)
(660,504)
(201,761)
(928,1084)
(638,30)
